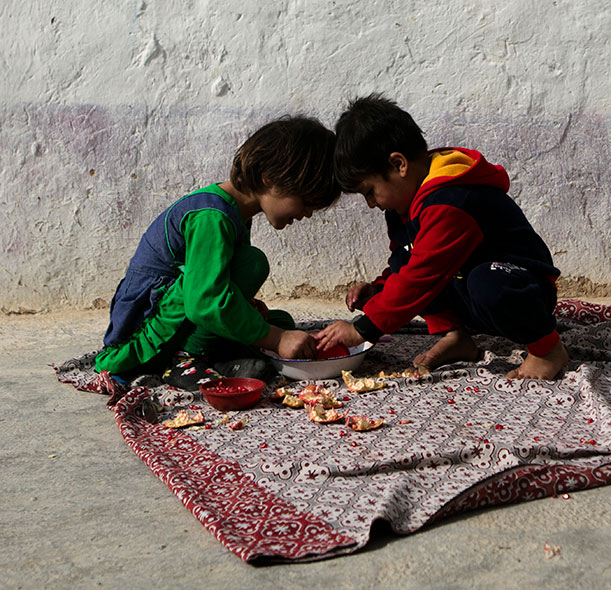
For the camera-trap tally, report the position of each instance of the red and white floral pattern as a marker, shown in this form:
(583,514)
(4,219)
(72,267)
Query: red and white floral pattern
(460,438)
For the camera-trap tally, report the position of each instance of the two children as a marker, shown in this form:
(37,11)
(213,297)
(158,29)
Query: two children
(191,283)
(463,255)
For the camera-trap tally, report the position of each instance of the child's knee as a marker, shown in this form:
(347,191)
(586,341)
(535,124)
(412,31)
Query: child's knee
(255,261)
(281,319)
(497,284)
(249,270)
(511,301)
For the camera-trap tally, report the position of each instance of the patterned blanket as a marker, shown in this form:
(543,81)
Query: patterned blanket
(464,437)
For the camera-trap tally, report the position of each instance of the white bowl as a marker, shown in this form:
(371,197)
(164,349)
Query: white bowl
(310,369)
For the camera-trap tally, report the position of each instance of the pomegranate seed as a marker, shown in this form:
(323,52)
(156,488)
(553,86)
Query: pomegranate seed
(537,438)
(263,446)
(582,440)
(353,444)
(566,496)
(592,442)
(391,411)
(498,427)
(486,441)
(451,401)
(590,420)
(476,389)
(208,426)
(342,433)
(193,407)
(468,424)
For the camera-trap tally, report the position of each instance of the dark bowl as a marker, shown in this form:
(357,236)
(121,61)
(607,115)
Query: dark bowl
(232,393)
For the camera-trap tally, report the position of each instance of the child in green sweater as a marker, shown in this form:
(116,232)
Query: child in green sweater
(192,281)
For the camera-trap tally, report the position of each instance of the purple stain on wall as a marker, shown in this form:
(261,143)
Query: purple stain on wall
(103,150)
(98,175)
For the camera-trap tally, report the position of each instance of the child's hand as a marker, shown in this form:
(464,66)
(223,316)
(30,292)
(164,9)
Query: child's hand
(295,344)
(338,333)
(260,307)
(358,295)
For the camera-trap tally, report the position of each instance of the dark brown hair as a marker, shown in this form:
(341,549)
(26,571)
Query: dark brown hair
(367,133)
(294,155)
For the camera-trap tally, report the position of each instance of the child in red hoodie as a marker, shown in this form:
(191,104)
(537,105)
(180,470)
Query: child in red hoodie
(463,255)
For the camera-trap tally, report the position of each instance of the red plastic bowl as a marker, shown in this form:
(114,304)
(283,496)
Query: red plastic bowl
(232,393)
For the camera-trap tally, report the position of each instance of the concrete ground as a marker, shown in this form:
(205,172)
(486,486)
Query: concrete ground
(78,509)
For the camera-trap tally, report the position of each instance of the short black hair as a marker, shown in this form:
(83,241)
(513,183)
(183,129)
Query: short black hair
(367,133)
(295,155)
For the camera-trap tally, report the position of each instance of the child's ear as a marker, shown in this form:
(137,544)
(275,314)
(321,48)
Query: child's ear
(399,162)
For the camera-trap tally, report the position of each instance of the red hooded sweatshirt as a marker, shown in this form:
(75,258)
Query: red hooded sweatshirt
(460,217)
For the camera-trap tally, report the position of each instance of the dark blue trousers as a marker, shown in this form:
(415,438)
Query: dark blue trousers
(501,299)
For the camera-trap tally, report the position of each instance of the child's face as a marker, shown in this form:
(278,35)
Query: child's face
(281,209)
(397,190)
(391,193)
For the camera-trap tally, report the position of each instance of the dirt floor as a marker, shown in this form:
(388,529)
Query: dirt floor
(79,510)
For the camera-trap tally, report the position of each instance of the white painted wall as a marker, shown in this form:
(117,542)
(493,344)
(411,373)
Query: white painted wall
(109,111)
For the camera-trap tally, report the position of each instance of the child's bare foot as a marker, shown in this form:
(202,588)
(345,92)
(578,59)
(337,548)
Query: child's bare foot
(456,345)
(542,367)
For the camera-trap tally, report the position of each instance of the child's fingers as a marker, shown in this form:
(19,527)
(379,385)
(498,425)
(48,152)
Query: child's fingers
(331,338)
(327,343)
(321,341)
(324,334)
(261,307)
(321,338)
(354,295)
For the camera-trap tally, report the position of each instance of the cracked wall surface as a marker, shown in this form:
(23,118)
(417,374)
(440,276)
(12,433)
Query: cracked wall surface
(111,111)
